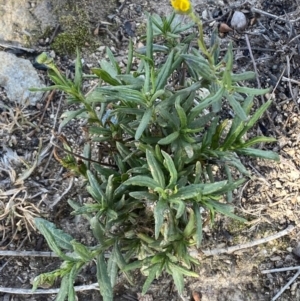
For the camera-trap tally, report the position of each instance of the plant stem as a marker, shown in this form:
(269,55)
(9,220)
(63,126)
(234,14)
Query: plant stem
(201,42)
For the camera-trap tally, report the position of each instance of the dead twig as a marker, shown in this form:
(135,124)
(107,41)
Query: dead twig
(289,82)
(54,34)
(280,270)
(285,79)
(213,252)
(286,286)
(21,291)
(35,254)
(254,65)
(262,12)
(57,200)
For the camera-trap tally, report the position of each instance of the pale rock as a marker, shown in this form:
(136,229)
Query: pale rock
(238,21)
(17,76)
(22,25)
(296,250)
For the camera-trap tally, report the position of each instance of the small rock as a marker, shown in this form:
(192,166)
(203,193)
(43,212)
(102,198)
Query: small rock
(17,76)
(24,20)
(238,21)
(42,42)
(296,250)
(196,296)
(205,15)
(294,286)
(224,28)
(101,48)
(52,54)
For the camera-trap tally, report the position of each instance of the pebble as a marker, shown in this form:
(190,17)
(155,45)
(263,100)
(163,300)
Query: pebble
(296,250)
(52,54)
(224,28)
(205,15)
(238,21)
(101,48)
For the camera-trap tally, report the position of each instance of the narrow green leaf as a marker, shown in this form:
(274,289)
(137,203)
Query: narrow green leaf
(149,40)
(157,153)
(152,274)
(82,251)
(112,214)
(259,139)
(143,195)
(200,65)
(253,152)
(156,95)
(69,115)
(215,45)
(188,230)
(208,101)
(181,113)
(71,290)
(105,171)
(156,48)
(155,169)
(184,271)
(63,290)
(252,91)
(112,269)
(109,191)
(227,81)
(95,190)
(62,239)
(147,80)
(199,234)
(230,186)
(226,209)
(210,133)
(236,162)
(254,118)
(113,61)
(103,279)
(169,139)
(105,76)
(236,127)
(142,181)
(133,265)
(188,192)
(164,73)
(78,71)
(229,197)
(143,124)
(121,262)
(97,229)
(248,75)
(181,206)
(236,106)
(130,57)
(125,94)
(53,243)
(177,277)
(159,210)
(169,164)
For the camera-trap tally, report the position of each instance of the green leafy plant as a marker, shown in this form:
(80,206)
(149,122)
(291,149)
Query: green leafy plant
(169,157)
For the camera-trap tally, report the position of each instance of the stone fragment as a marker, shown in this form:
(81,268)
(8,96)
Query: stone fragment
(23,25)
(17,76)
(238,21)
(296,250)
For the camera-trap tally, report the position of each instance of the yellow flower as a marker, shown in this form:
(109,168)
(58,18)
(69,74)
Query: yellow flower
(182,6)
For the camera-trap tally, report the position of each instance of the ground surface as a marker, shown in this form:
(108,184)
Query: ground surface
(270,200)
